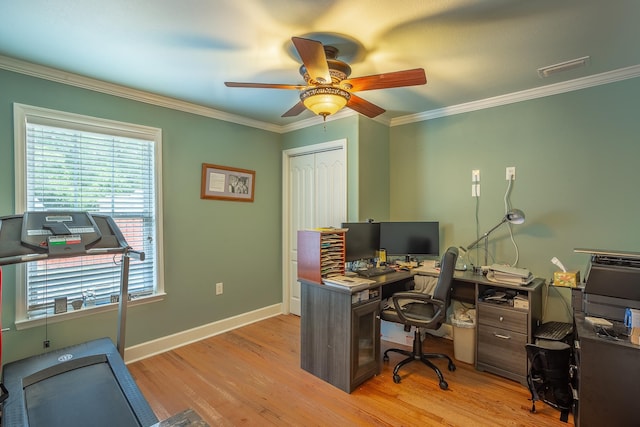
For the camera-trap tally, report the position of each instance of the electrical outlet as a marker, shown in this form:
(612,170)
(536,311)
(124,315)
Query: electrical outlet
(511,173)
(219,288)
(475,190)
(475,175)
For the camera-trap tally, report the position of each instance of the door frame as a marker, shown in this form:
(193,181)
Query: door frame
(286,205)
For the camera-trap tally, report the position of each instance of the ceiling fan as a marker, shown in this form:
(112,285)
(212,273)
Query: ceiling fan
(328,87)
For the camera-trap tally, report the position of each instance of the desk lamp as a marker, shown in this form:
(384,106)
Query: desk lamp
(514,216)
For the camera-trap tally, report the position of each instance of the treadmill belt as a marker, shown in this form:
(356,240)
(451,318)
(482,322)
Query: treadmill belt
(87,396)
(79,386)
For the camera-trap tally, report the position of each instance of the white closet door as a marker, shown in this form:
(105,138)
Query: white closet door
(317,198)
(331,189)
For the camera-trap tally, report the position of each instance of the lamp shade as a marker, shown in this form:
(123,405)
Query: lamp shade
(324,101)
(515,216)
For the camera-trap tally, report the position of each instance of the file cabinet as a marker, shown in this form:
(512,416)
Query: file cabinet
(504,330)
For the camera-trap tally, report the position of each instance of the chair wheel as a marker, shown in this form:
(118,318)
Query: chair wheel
(385,358)
(452,367)
(396,378)
(444,385)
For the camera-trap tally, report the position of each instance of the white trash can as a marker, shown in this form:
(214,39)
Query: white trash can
(464,335)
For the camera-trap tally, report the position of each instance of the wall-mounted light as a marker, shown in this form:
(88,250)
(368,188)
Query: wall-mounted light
(514,216)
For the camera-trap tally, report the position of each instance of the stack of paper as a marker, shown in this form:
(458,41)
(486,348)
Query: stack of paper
(331,250)
(510,275)
(354,283)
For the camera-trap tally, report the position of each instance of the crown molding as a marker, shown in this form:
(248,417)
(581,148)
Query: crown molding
(52,74)
(55,75)
(525,95)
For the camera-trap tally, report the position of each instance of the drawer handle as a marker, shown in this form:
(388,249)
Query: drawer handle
(501,319)
(504,337)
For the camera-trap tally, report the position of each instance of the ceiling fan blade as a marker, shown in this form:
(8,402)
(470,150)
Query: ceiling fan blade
(365,107)
(264,85)
(295,110)
(413,77)
(314,59)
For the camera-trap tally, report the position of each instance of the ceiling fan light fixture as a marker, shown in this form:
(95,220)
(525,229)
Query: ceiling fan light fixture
(324,101)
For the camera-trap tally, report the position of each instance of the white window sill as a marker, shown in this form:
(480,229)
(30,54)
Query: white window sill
(76,314)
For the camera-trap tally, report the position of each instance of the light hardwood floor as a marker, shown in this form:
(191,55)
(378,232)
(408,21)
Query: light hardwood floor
(251,376)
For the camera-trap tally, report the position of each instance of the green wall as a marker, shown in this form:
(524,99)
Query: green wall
(373,171)
(205,241)
(575,156)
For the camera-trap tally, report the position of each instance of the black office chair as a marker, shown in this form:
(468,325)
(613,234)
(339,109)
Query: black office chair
(413,308)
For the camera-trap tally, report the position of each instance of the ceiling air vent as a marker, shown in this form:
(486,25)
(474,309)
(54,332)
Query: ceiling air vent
(563,66)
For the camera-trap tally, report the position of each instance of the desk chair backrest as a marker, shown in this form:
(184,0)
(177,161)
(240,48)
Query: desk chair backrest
(423,310)
(442,291)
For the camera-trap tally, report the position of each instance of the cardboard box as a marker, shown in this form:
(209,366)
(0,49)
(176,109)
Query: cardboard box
(569,279)
(394,332)
(521,303)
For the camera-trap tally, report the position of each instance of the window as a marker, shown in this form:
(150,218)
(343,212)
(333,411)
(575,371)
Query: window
(71,162)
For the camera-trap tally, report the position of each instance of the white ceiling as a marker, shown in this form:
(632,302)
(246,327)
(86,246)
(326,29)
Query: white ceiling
(471,50)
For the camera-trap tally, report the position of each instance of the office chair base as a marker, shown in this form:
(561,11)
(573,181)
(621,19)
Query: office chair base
(417,354)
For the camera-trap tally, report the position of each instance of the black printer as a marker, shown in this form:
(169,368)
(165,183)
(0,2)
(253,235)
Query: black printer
(612,283)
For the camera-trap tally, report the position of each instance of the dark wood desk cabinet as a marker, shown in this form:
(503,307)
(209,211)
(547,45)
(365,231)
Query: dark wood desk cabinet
(340,331)
(338,339)
(608,379)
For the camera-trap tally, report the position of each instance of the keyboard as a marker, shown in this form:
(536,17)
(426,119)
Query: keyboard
(375,271)
(555,331)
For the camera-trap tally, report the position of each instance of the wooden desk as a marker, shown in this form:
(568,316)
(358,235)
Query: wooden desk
(340,331)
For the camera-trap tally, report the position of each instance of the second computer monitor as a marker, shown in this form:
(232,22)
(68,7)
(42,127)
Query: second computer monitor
(362,240)
(410,238)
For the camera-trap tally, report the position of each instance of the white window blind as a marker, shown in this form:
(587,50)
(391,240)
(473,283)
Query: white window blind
(76,166)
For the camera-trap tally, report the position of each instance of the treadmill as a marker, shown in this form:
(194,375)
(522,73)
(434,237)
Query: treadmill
(85,384)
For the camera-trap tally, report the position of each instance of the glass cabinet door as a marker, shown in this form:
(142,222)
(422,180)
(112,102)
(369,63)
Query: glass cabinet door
(365,329)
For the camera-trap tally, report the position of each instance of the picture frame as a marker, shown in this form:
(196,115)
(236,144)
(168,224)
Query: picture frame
(227,183)
(60,305)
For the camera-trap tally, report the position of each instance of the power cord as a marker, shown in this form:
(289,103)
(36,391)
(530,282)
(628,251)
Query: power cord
(477,215)
(507,208)
(564,302)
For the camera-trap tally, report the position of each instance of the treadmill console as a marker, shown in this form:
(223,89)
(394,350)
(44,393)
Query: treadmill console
(67,233)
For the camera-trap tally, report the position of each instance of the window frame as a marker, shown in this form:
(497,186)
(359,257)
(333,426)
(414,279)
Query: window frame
(21,114)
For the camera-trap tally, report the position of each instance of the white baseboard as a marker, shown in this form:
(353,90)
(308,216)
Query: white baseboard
(160,345)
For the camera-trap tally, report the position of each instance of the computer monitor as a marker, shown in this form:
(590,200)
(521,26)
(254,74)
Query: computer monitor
(362,240)
(410,238)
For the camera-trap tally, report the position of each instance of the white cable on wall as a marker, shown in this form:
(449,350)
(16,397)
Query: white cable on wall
(507,208)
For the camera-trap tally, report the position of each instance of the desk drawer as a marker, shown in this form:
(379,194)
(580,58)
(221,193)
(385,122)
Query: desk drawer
(502,349)
(509,318)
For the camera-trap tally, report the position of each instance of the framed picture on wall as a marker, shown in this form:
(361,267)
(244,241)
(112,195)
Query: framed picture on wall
(227,183)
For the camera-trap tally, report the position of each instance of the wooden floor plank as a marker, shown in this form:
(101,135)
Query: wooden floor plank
(252,376)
